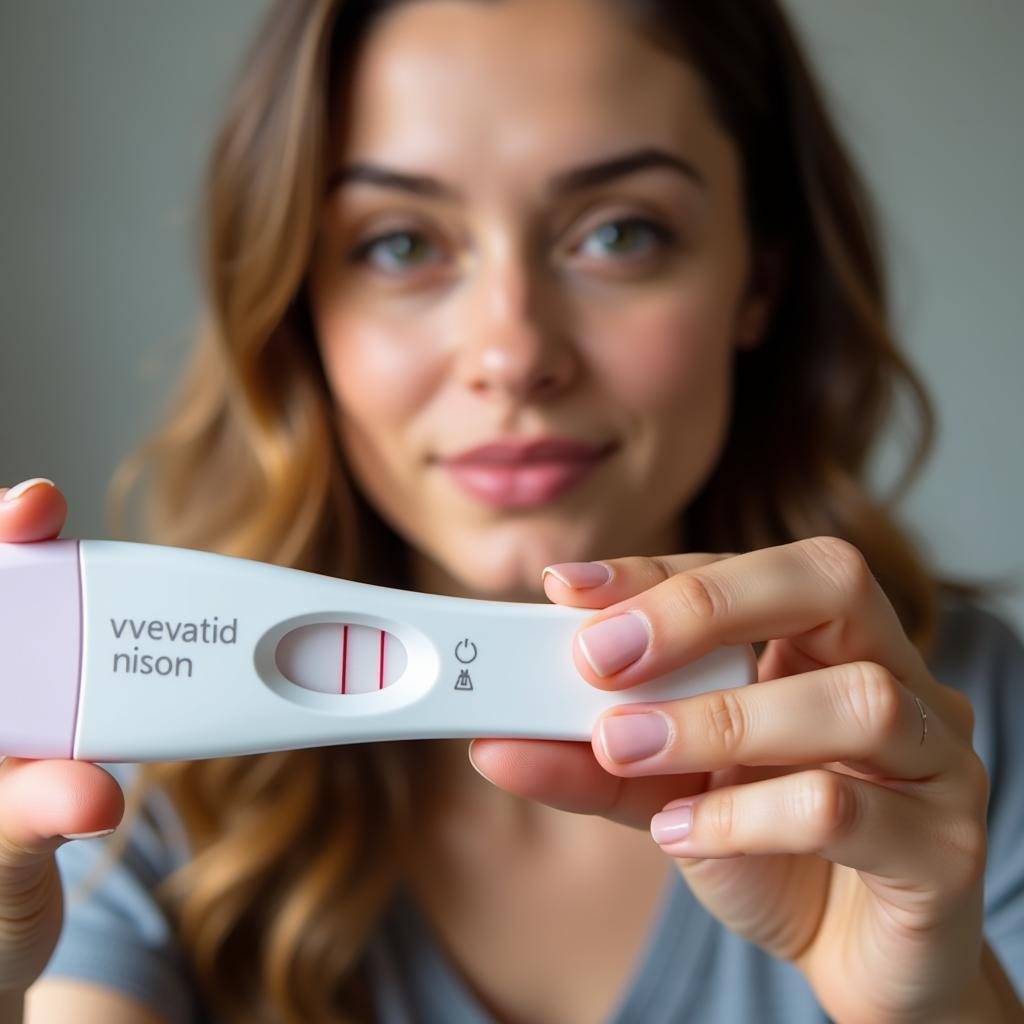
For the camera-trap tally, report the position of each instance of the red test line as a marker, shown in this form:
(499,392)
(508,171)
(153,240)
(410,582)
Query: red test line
(380,679)
(344,656)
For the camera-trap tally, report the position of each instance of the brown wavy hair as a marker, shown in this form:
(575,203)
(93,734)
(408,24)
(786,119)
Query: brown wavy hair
(296,853)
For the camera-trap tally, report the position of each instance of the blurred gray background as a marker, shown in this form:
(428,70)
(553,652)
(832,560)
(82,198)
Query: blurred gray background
(107,107)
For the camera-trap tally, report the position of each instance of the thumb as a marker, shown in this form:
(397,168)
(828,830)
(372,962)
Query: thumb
(45,803)
(41,802)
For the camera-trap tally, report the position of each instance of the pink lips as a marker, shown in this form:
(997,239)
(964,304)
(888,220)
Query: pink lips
(518,474)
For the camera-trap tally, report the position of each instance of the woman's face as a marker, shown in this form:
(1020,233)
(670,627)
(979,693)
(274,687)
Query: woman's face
(535,232)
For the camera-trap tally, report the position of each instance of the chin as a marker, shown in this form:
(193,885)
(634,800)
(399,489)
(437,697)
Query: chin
(505,565)
(491,582)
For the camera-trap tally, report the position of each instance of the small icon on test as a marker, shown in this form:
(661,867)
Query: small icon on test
(465,651)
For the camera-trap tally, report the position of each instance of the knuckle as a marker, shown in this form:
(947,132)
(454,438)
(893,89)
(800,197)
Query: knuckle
(967,840)
(720,818)
(698,595)
(15,858)
(660,568)
(842,563)
(725,721)
(875,699)
(648,572)
(824,805)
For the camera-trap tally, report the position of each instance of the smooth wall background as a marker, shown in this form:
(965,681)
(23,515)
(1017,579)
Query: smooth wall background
(107,109)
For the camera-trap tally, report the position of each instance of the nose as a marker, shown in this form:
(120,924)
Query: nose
(513,345)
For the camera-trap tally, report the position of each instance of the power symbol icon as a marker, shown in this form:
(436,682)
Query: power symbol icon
(465,651)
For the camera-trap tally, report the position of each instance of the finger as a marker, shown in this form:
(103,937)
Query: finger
(847,820)
(43,801)
(857,714)
(598,584)
(819,593)
(32,510)
(564,775)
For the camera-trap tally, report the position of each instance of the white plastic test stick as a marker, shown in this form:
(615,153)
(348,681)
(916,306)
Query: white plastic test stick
(118,651)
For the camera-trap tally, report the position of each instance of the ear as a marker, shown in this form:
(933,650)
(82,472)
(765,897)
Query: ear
(767,282)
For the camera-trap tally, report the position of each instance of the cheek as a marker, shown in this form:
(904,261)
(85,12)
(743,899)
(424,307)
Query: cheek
(378,375)
(664,351)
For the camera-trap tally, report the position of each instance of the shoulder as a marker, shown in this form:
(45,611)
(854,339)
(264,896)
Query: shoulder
(977,650)
(979,653)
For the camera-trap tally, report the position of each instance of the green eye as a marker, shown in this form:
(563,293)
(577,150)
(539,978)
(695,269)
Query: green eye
(399,250)
(621,237)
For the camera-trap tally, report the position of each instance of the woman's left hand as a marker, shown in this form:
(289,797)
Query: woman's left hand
(838,807)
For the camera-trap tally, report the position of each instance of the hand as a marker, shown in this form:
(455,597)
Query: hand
(41,802)
(827,827)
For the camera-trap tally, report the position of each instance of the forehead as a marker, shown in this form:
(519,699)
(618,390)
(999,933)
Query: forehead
(449,81)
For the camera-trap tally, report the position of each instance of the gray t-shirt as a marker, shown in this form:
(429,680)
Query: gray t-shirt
(691,969)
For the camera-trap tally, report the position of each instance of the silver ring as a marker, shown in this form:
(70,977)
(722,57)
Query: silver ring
(924,719)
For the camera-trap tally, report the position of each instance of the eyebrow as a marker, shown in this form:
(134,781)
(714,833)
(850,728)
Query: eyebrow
(573,180)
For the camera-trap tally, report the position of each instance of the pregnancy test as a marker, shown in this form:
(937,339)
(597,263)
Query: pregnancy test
(122,651)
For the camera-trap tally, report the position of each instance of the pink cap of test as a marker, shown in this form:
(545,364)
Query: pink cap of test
(40,648)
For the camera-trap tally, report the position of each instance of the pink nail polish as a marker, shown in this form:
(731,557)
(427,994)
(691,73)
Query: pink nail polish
(635,736)
(612,644)
(18,490)
(672,825)
(89,835)
(579,575)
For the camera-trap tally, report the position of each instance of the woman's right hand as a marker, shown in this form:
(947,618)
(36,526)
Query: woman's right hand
(42,803)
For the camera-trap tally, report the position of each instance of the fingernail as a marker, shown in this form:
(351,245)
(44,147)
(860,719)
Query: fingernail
(614,643)
(469,754)
(88,835)
(579,575)
(631,737)
(672,825)
(19,489)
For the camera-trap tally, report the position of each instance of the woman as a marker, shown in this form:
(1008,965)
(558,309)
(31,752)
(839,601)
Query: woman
(629,228)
